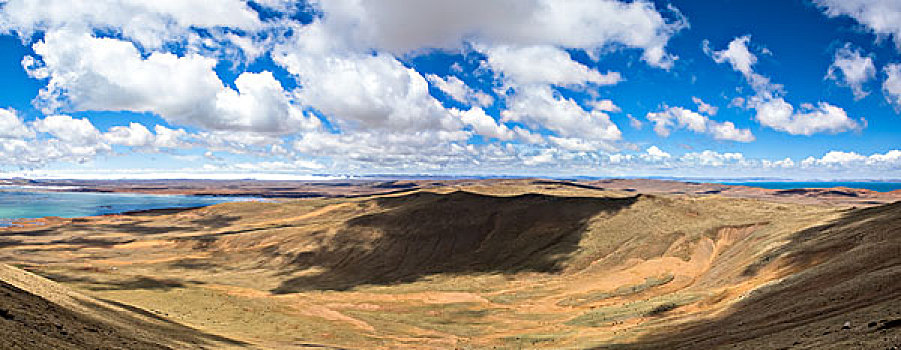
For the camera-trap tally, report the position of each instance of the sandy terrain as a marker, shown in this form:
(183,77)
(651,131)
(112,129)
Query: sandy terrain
(497,264)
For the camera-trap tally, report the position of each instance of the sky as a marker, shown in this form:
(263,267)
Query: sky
(795,89)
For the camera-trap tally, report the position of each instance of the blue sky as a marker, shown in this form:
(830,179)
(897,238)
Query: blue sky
(284,89)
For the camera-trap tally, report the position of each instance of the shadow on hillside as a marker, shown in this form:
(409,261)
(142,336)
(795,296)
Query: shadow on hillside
(131,283)
(847,270)
(426,233)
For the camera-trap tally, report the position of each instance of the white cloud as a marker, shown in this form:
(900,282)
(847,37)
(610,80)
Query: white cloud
(12,127)
(742,60)
(137,135)
(785,163)
(101,74)
(849,68)
(703,107)
(121,56)
(854,160)
(169,138)
(728,132)
(69,130)
(361,91)
(544,65)
(619,158)
(61,139)
(655,154)
(678,117)
(279,166)
(809,120)
(605,106)
(634,122)
(772,109)
(400,27)
(148,22)
(837,157)
(883,17)
(736,54)
(545,157)
(485,125)
(459,91)
(892,85)
(890,158)
(711,158)
(133,135)
(539,106)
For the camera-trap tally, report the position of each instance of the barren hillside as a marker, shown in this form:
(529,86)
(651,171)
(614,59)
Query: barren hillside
(482,265)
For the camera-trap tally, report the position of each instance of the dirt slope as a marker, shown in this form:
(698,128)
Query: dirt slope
(36,313)
(845,294)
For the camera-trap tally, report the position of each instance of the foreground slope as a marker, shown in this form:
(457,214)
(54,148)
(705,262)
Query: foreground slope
(513,264)
(845,292)
(36,313)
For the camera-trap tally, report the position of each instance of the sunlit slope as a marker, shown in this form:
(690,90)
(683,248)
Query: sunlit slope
(36,313)
(845,292)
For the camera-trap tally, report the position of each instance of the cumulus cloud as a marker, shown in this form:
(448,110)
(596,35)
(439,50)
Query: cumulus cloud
(841,159)
(459,91)
(540,106)
(882,17)
(368,92)
(703,107)
(544,65)
(712,158)
(484,125)
(56,138)
(655,154)
(678,117)
(808,120)
(739,56)
(139,136)
(151,23)
(401,27)
(102,74)
(359,104)
(772,109)
(356,95)
(851,69)
(785,163)
(728,132)
(12,126)
(70,130)
(736,54)
(891,87)
(133,135)
(605,106)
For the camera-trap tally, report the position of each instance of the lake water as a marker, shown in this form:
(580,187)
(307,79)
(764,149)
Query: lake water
(24,203)
(873,186)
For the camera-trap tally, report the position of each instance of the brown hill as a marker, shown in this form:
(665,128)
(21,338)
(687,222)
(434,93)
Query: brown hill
(846,293)
(506,265)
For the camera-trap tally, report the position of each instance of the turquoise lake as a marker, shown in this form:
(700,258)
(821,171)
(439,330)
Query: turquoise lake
(23,203)
(872,186)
